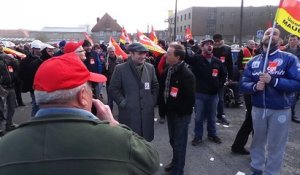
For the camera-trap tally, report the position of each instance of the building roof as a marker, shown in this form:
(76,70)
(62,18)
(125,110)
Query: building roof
(20,33)
(64,29)
(106,23)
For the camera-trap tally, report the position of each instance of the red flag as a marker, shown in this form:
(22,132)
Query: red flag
(154,48)
(87,37)
(119,52)
(288,16)
(124,37)
(152,36)
(188,34)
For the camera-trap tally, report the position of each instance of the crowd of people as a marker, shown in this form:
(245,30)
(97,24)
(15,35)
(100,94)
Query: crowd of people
(72,125)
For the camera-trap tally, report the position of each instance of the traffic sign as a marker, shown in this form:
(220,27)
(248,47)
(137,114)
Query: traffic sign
(259,33)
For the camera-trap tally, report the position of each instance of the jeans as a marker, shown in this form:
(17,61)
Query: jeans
(34,106)
(206,106)
(220,109)
(178,134)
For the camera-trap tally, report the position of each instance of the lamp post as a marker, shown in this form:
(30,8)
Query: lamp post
(175,20)
(241,24)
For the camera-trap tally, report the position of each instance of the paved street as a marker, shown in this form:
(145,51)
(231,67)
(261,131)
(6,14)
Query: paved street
(209,158)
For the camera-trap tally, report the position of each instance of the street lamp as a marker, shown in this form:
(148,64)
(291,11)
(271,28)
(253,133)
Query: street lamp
(241,23)
(175,20)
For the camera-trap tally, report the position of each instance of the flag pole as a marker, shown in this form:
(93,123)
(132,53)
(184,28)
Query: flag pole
(269,45)
(270,40)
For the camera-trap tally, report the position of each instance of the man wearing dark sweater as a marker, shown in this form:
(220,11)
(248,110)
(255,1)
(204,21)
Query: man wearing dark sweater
(223,53)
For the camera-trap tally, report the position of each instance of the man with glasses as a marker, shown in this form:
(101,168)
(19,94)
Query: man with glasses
(26,73)
(111,62)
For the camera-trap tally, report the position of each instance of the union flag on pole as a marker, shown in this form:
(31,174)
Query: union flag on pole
(87,37)
(288,16)
(188,34)
(118,51)
(124,37)
(152,36)
(154,48)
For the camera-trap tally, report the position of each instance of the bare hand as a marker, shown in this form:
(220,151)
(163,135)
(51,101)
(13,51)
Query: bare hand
(260,86)
(265,77)
(104,112)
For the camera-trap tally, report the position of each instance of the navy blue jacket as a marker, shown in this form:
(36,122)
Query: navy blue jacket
(284,69)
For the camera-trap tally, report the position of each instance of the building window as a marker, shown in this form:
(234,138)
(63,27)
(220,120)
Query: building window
(177,18)
(251,14)
(189,15)
(180,28)
(184,16)
(189,26)
(180,17)
(184,28)
(221,27)
(177,30)
(114,33)
(101,33)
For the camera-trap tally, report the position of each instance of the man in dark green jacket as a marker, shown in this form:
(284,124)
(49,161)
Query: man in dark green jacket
(64,137)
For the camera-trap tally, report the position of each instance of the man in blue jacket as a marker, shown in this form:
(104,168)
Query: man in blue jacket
(271,112)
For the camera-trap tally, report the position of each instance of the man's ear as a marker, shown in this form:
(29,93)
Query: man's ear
(82,97)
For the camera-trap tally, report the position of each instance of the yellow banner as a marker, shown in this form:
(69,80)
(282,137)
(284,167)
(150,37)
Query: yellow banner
(286,21)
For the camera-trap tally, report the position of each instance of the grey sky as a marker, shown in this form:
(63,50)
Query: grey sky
(132,14)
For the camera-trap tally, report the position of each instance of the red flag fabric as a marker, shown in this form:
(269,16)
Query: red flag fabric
(288,16)
(154,48)
(124,37)
(188,34)
(119,52)
(87,37)
(152,36)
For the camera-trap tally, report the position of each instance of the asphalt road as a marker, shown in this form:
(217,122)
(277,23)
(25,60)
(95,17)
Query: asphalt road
(209,158)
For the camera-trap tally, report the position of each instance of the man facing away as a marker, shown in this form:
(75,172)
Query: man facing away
(64,137)
(271,111)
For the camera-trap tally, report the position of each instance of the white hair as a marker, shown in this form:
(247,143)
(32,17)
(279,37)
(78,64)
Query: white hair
(111,48)
(57,97)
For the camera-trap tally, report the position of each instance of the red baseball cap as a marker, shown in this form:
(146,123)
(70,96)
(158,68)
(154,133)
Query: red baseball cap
(64,72)
(72,46)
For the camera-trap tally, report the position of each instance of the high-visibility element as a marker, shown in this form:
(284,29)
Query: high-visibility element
(14,53)
(188,34)
(124,37)
(247,56)
(152,36)
(87,37)
(288,16)
(118,51)
(154,48)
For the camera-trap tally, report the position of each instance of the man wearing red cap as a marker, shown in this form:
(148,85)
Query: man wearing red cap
(64,137)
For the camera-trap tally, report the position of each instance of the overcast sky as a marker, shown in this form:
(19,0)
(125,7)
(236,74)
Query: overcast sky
(132,14)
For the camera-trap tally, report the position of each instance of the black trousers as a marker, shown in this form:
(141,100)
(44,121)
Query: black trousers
(246,128)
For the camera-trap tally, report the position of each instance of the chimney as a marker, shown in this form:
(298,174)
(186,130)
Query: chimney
(98,19)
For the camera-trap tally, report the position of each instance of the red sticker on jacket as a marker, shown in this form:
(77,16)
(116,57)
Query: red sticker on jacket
(10,69)
(222,59)
(92,61)
(215,72)
(272,66)
(174,91)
